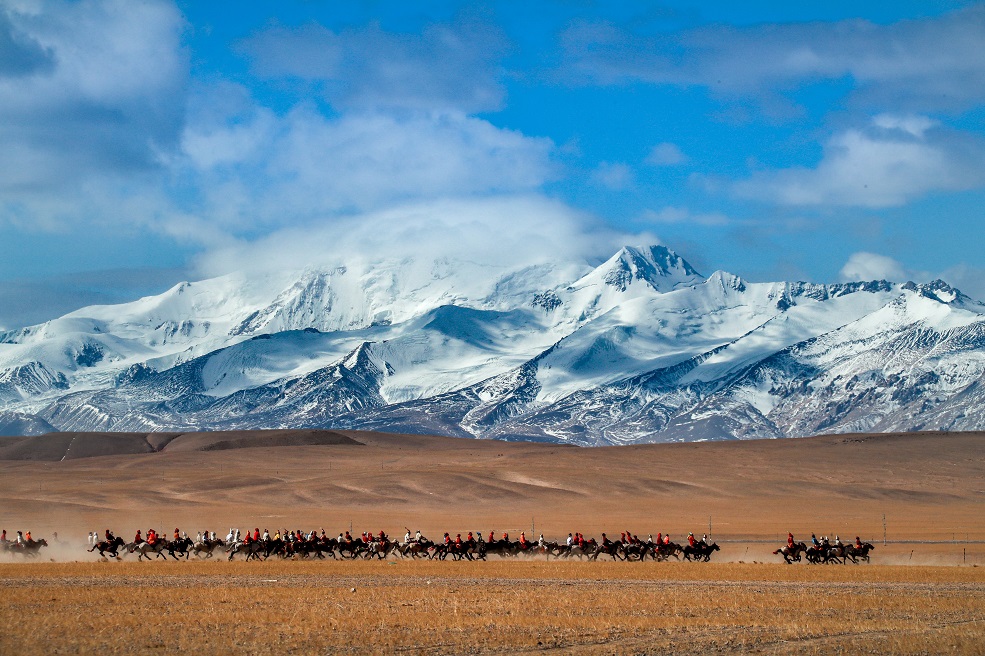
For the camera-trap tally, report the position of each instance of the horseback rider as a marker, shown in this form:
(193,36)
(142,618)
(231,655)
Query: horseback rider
(605,540)
(838,541)
(858,543)
(790,540)
(815,541)
(109,535)
(690,539)
(137,539)
(20,538)
(667,539)
(151,537)
(523,540)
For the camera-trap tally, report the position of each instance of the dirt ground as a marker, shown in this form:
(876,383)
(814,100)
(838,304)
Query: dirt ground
(917,487)
(917,498)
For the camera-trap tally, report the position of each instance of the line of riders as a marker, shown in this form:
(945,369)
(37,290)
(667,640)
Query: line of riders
(822,550)
(23,544)
(289,544)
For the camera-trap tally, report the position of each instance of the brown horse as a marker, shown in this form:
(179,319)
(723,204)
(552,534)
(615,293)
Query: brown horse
(859,553)
(28,549)
(791,554)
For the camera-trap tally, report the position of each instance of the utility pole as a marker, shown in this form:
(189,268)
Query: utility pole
(884,529)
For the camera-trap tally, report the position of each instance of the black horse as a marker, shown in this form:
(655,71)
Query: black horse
(700,551)
(109,547)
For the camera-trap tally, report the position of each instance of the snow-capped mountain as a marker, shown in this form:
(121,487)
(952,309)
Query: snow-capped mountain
(640,348)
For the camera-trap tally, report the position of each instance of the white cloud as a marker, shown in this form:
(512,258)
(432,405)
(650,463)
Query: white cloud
(509,231)
(683,215)
(93,108)
(902,160)
(272,170)
(872,266)
(666,154)
(614,175)
(913,125)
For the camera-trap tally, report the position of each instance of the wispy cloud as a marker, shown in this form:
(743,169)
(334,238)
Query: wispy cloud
(666,154)
(446,66)
(923,65)
(682,215)
(617,176)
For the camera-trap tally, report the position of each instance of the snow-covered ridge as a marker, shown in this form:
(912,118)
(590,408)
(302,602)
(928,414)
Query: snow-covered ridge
(639,348)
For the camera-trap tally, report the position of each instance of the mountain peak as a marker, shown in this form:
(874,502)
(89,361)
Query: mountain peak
(658,266)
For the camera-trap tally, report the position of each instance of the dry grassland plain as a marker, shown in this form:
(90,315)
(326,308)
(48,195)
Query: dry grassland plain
(923,593)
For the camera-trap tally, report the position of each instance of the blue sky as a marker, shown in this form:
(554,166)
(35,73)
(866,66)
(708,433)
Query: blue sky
(147,142)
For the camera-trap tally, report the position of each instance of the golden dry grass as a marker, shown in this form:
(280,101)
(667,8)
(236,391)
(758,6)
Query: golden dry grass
(929,487)
(489,608)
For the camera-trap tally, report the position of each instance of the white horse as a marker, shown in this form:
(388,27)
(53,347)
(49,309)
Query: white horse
(206,547)
(143,548)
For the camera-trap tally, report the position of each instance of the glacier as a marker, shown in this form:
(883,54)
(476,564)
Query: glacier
(640,348)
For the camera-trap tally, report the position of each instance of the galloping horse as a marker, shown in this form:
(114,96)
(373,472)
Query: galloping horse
(612,548)
(668,549)
(791,554)
(252,550)
(111,547)
(181,546)
(206,547)
(144,548)
(28,549)
(859,553)
(700,551)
